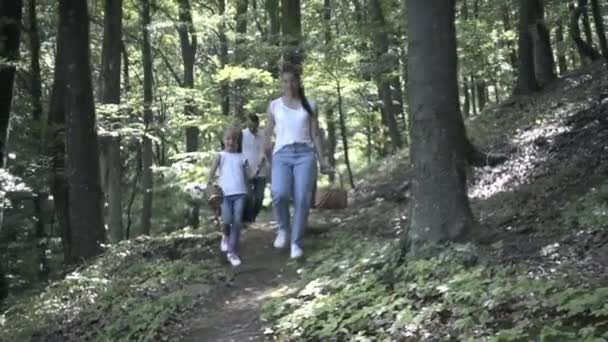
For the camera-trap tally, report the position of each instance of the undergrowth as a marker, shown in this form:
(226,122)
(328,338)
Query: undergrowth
(362,292)
(129,293)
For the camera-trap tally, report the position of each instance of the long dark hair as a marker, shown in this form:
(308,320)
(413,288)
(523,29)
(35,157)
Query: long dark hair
(288,69)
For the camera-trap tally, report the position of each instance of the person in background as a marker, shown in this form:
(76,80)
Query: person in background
(233,174)
(253,150)
(293,118)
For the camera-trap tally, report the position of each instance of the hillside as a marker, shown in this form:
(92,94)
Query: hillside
(537,271)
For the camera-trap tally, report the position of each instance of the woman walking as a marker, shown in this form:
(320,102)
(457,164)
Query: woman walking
(293,119)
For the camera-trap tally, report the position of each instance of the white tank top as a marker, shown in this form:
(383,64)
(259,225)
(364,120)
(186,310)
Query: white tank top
(291,125)
(232,173)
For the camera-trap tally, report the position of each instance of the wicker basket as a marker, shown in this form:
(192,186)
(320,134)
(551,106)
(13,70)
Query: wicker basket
(215,196)
(332,198)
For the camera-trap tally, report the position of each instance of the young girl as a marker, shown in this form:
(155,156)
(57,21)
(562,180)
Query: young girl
(233,182)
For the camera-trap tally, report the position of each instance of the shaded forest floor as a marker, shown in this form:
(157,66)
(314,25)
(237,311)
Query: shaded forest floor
(537,271)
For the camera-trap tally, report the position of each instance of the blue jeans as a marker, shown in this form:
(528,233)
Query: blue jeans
(293,170)
(232,219)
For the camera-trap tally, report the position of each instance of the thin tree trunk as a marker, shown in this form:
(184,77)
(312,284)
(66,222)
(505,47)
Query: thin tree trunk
(544,63)
(86,198)
(147,176)
(344,133)
(240,56)
(331,124)
(585,50)
(126,80)
(223,57)
(441,209)
(562,61)
(467,100)
(112,47)
(526,80)
(188,46)
(472,83)
(36,79)
(599,26)
(480,87)
(10,31)
(586,22)
(506,20)
(384,64)
(293,53)
(274,31)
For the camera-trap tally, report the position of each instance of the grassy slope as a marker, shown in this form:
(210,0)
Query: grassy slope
(540,272)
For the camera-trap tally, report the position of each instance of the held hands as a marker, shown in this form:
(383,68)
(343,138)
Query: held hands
(326,168)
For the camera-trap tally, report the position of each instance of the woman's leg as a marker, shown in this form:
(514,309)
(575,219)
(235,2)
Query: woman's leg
(304,176)
(238,205)
(282,180)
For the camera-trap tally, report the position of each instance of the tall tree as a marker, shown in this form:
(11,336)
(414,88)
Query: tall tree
(240,54)
(110,94)
(147,153)
(10,31)
(585,48)
(562,61)
(36,78)
(85,195)
(544,62)
(598,19)
(188,42)
(526,79)
(274,30)
(291,27)
(223,57)
(331,121)
(441,209)
(385,63)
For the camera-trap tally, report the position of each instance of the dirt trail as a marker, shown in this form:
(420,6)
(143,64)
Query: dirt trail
(232,313)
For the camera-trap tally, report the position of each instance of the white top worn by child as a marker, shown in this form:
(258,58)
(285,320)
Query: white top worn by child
(233,174)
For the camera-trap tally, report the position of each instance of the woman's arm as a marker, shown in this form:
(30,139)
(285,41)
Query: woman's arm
(216,164)
(268,131)
(317,140)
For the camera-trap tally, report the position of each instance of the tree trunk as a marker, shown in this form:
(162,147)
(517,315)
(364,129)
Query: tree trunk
(586,22)
(10,31)
(467,101)
(344,134)
(544,63)
(272,8)
(110,53)
(112,47)
(240,56)
(36,78)
(482,99)
(599,26)
(472,83)
(562,61)
(585,49)
(56,120)
(384,65)
(441,209)
(331,124)
(147,176)
(292,33)
(188,46)
(526,80)
(86,198)
(223,56)
(506,20)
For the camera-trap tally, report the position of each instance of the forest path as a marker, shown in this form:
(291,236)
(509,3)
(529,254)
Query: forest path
(233,312)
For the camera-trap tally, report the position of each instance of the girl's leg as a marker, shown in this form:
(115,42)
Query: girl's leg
(226,214)
(304,175)
(282,180)
(237,223)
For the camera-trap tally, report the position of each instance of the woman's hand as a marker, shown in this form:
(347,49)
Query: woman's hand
(326,168)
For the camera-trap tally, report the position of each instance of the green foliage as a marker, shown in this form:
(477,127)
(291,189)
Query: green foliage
(589,211)
(127,294)
(360,290)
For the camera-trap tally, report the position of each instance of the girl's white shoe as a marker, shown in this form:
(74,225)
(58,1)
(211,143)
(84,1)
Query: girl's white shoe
(233,259)
(224,244)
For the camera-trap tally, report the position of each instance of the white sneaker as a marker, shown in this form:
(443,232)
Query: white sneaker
(280,240)
(296,251)
(233,259)
(224,244)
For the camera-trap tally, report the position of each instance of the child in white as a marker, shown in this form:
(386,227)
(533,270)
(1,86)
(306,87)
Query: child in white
(233,182)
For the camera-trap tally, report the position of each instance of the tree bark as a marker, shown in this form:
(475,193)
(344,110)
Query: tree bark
(441,209)
(482,99)
(85,195)
(585,49)
(112,47)
(544,63)
(223,56)
(467,101)
(240,55)
(293,53)
(506,20)
(331,124)
(526,80)
(188,42)
(344,134)
(147,154)
(599,26)
(562,61)
(384,65)
(36,78)
(586,22)
(274,31)
(10,32)
(110,52)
